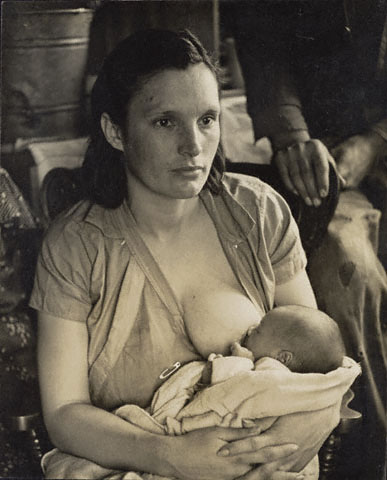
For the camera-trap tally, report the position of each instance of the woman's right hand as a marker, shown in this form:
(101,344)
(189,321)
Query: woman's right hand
(308,430)
(193,456)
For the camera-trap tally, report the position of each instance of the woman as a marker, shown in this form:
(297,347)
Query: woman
(166,261)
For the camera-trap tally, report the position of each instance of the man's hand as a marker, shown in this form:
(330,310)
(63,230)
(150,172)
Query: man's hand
(356,156)
(304,169)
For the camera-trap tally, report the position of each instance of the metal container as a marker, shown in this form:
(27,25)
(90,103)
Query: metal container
(44,55)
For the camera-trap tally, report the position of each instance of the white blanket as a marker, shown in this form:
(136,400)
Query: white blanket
(240,394)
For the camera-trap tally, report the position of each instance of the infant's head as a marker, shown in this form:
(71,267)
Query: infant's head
(302,338)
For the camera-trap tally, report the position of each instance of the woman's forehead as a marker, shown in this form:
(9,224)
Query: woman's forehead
(176,88)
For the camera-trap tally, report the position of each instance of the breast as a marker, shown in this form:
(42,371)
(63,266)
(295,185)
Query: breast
(215,318)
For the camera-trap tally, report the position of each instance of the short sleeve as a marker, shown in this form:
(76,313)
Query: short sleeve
(282,238)
(63,273)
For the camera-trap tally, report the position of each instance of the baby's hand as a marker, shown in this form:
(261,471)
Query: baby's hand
(213,356)
(238,351)
(207,370)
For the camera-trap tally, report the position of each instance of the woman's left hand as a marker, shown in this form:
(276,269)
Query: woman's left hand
(308,430)
(270,471)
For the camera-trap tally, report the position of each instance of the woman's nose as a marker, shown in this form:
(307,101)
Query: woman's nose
(190,142)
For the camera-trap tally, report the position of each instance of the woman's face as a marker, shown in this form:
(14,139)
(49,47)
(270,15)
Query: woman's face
(172,131)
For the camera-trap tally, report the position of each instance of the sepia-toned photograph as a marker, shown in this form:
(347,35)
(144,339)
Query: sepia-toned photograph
(193,239)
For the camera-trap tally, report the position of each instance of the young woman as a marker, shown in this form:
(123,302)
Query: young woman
(165,248)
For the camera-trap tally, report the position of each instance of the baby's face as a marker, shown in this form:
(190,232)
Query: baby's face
(261,340)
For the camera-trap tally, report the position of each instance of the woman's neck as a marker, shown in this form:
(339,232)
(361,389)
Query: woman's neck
(158,215)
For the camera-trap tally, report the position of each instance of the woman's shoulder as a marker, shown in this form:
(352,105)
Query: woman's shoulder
(83,221)
(235,181)
(249,190)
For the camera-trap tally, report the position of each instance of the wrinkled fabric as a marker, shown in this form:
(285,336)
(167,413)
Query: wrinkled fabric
(355,278)
(95,267)
(351,286)
(249,394)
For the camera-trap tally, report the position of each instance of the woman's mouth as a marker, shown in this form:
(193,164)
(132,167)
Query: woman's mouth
(188,168)
(188,171)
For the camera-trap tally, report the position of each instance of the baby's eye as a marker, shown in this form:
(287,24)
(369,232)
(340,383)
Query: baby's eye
(163,122)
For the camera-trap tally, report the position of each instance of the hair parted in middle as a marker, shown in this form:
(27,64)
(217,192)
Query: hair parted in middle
(125,70)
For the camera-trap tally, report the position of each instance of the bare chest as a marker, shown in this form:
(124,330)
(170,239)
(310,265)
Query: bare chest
(215,307)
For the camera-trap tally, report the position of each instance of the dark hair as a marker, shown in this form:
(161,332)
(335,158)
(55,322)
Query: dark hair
(124,71)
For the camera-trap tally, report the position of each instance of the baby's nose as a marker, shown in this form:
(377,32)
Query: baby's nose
(250,330)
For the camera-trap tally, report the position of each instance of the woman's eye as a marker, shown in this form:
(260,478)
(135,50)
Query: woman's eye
(208,120)
(163,122)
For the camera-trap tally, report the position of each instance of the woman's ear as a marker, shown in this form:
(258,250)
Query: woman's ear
(112,132)
(285,357)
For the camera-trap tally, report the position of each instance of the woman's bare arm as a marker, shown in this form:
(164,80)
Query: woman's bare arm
(297,291)
(74,424)
(77,427)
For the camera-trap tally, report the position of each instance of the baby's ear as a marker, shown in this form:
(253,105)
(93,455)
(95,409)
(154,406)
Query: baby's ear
(285,357)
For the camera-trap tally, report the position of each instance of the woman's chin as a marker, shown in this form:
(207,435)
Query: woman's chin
(188,190)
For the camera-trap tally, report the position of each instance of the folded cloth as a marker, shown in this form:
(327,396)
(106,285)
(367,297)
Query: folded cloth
(271,389)
(257,393)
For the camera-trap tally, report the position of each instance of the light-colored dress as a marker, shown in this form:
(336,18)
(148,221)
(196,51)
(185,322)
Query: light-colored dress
(95,267)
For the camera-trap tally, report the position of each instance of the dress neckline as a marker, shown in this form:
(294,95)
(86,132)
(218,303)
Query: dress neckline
(138,248)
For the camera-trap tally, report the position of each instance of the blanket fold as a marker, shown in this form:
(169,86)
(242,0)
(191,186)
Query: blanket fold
(260,396)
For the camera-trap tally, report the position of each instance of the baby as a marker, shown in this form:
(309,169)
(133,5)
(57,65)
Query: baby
(304,339)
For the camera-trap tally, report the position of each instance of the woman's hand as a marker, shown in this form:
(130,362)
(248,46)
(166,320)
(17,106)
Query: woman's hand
(194,456)
(270,471)
(304,169)
(308,430)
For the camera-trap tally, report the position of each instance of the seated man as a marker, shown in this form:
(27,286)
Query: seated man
(315,76)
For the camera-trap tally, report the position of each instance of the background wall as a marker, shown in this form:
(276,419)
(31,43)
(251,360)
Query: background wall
(52,51)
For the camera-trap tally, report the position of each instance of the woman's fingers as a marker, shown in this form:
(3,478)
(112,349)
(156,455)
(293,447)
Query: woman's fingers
(268,454)
(237,434)
(243,440)
(254,449)
(270,472)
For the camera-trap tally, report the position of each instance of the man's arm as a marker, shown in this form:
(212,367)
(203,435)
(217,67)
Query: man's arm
(273,103)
